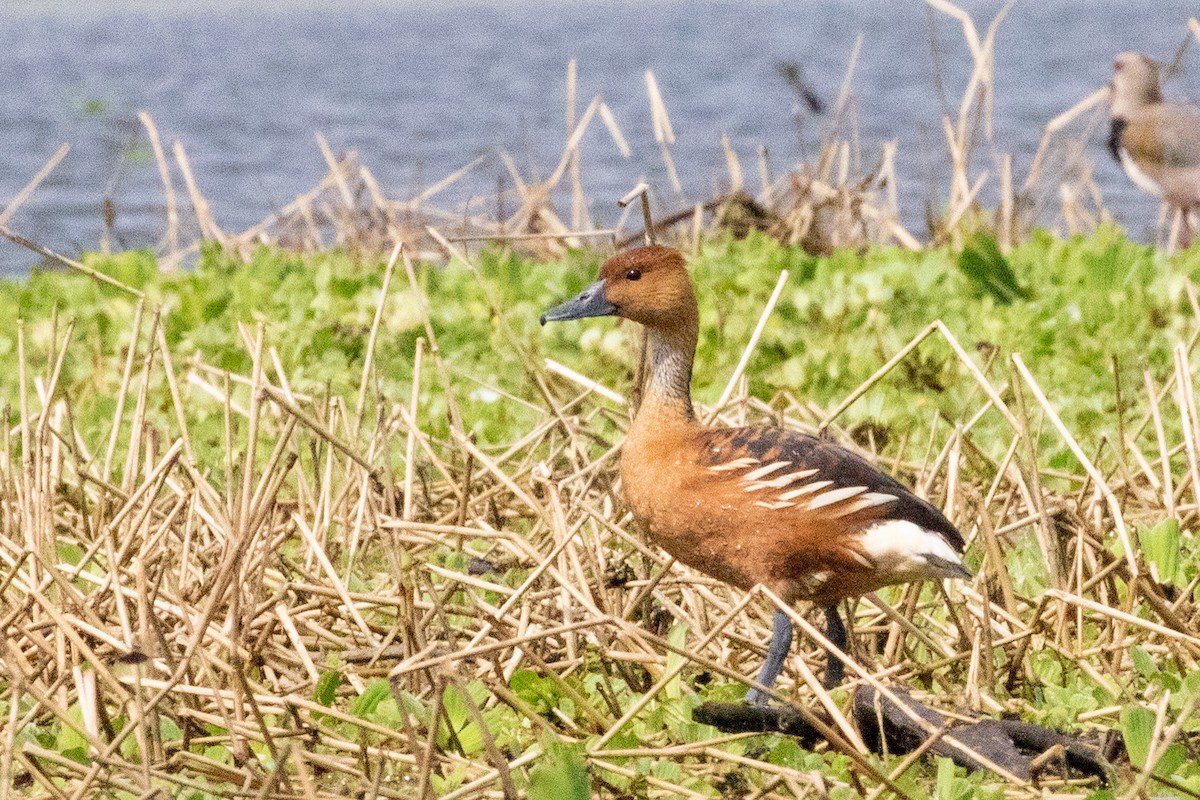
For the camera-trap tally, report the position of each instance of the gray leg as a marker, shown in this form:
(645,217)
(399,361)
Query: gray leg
(835,632)
(781,643)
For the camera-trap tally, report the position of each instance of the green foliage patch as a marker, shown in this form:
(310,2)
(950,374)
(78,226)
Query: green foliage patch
(1089,301)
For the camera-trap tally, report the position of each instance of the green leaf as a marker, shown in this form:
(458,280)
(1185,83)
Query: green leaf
(560,774)
(539,691)
(326,689)
(1160,545)
(945,779)
(1137,726)
(374,693)
(1191,682)
(1142,662)
(678,638)
(470,739)
(1171,760)
(982,262)
(444,784)
(70,743)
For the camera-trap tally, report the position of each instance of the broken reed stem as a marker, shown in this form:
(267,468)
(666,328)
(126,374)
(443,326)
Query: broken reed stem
(1114,505)
(204,218)
(369,358)
(164,174)
(641,190)
(643,351)
(456,421)
(28,189)
(413,415)
(740,369)
(73,264)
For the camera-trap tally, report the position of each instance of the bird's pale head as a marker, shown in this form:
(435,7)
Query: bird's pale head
(1135,83)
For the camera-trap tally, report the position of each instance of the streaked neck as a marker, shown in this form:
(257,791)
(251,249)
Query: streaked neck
(669,390)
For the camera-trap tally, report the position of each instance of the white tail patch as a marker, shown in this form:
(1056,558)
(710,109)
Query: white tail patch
(898,545)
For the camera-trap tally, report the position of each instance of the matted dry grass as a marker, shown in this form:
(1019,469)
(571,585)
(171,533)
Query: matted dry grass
(212,598)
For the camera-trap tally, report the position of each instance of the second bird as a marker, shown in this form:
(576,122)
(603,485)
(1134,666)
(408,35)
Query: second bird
(1157,143)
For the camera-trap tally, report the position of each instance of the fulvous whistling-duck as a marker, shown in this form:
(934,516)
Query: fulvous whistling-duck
(1157,143)
(762,505)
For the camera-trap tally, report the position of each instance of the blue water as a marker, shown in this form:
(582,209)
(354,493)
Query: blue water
(419,90)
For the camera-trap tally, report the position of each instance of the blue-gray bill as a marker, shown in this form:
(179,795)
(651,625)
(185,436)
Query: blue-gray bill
(588,303)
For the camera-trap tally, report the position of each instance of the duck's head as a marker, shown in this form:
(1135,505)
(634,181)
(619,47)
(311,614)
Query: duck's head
(1135,83)
(649,285)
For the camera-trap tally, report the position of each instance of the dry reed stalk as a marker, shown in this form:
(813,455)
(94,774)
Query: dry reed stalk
(578,201)
(164,173)
(751,345)
(733,166)
(67,262)
(204,217)
(28,189)
(664,133)
(1085,462)
(369,359)
(335,170)
(831,202)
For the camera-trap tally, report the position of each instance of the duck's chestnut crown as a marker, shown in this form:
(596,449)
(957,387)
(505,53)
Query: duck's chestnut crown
(649,285)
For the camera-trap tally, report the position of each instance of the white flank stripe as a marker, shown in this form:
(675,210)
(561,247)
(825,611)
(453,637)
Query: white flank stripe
(790,478)
(835,496)
(773,506)
(868,500)
(737,463)
(807,488)
(762,472)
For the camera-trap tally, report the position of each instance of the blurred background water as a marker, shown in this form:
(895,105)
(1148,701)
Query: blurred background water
(421,89)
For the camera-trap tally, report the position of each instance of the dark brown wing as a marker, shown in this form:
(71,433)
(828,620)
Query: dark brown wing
(789,463)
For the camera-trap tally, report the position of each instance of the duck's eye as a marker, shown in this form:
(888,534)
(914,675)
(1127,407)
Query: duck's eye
(633,274)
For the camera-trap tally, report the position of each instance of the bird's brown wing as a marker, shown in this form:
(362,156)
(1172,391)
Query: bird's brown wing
(1166,136)
(781,467)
